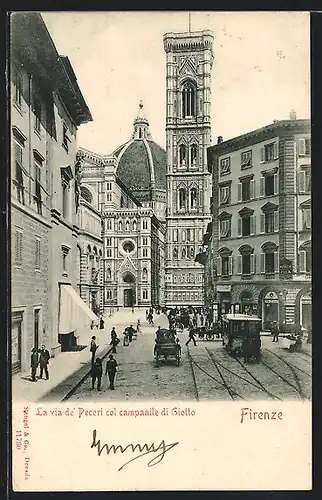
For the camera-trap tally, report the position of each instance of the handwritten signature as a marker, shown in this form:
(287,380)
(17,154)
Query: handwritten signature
(144,449)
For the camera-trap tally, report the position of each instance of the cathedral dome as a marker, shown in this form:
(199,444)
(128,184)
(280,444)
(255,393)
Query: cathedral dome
(142,163)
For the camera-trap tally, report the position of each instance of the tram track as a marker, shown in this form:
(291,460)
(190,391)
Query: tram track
(221,382)
(287,382)
(291,367)
(193,375)
(294,366)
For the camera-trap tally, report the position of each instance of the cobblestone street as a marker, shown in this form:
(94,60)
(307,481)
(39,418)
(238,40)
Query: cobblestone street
(206,372)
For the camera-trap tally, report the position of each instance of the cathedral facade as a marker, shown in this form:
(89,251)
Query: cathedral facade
(189,58)
(127,190)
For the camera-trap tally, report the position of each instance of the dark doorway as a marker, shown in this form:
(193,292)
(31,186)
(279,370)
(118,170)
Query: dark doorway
(36,327)
(128,297)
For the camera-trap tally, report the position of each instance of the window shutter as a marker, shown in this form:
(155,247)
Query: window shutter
(262,223)
(275,183)
(302,258)
(252,189)
(37,259)
(18,248)
(253,224)
(230,265)
(262,263)
(239,192)
(275,150)
(262,155)
(239,264)
(239,226)
(276,221)
(219,266)
(276,262)
(308,219)
(252,264)
(262,186)
(302,181)
(301,147)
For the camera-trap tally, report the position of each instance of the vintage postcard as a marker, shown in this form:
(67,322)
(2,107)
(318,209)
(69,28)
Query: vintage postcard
(161,328)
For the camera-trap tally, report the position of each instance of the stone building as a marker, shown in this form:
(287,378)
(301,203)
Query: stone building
(189,58)
(259,243)
(46,108)
(127,190)
(89,249)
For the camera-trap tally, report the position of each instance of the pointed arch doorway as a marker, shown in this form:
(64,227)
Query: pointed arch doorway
(129,289)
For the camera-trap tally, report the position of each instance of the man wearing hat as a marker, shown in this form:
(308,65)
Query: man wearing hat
(111,370)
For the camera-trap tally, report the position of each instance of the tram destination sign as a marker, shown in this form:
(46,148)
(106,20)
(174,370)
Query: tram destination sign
(286,268)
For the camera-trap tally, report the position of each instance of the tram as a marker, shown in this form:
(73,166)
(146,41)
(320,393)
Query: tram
(241,332)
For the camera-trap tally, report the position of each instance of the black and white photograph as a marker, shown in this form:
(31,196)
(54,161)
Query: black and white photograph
(160,206)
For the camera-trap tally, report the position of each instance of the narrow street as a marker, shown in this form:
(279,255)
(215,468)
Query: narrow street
(206,372)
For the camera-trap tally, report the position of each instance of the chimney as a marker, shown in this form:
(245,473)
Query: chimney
(293,115)
(220,139)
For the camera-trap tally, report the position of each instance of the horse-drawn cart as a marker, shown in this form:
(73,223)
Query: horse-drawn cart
(166,347)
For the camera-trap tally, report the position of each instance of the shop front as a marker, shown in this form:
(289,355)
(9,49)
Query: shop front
(304,307)
(224,296)
(270,309)
(248,305)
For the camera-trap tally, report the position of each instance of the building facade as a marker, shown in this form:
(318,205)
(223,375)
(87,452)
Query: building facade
(259,243)
(133,236)
(46,109)
(189,58)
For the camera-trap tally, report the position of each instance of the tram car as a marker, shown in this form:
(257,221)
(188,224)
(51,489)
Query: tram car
(167,347)
(241,332)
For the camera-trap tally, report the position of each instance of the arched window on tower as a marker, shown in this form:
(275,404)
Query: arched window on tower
(182,199)
(127,225)
(188,100)
(182,155)
(193,155)
(140,133)
(193,198)
(144,274)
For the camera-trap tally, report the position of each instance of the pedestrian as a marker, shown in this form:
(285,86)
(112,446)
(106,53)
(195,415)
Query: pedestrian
(114,340)
(126,338)
(93,348)
(179,346)
(275,331)
(102,323)
(138,326)
(246,349)
(92,324)
(130,332)
(44,358)
(34,362)
(191,337)
(96,373)
(111,370)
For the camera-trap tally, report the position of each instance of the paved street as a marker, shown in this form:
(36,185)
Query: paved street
(206,372)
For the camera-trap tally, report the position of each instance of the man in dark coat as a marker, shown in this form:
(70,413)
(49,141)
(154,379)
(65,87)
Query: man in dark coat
(275,331)
(96,373)
(44,358)
(191,337)
(111,370)
(93,348)
(34,362)
(114,340)
(102,323)
(131,331)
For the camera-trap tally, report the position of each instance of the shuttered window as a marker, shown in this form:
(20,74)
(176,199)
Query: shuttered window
(37,254)
(18,248)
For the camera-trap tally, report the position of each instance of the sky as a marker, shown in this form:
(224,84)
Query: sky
(261,68)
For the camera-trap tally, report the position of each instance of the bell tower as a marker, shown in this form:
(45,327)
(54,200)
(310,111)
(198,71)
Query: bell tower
(189,58)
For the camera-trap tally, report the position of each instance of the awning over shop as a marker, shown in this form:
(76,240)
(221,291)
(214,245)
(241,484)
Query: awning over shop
(74,313)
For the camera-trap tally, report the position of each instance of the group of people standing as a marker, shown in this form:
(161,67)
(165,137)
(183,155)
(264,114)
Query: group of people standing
(189,317)
(97,365)
(39,359)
